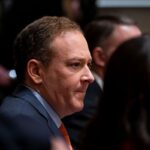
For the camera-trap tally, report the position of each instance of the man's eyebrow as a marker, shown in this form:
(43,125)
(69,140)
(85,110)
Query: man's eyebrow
(76,59)
(80,59)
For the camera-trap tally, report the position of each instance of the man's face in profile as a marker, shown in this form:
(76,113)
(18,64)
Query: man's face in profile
(66,79)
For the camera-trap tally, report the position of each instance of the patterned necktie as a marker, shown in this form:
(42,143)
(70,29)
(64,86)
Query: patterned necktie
(63,130)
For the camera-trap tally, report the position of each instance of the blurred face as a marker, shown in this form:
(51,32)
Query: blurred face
(66,79)
(72,9)
(120,34)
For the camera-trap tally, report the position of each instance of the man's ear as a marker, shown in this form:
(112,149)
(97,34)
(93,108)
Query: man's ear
(99,57)
(34,70)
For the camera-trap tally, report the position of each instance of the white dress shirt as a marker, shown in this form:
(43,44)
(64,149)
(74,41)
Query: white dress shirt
(98,79)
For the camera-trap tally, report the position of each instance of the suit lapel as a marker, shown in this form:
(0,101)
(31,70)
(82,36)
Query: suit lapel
(25,94)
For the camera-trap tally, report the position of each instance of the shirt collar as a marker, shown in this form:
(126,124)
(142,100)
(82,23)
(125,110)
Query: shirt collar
(98,79)
(55,117)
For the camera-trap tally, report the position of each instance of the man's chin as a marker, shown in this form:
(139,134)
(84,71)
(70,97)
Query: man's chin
(79,106)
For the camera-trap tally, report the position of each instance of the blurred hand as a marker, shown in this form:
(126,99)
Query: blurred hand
(58,144)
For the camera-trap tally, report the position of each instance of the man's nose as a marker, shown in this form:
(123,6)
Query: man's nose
(88,76)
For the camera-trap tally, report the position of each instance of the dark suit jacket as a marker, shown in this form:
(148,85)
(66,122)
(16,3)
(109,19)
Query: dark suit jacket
(76,123)
(33,124)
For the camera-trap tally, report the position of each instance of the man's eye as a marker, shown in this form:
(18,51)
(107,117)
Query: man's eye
(75,65)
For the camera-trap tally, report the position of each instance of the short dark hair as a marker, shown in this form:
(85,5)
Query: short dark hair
(101,28)
(34,41)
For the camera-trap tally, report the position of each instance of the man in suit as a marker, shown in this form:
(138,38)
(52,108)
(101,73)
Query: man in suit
(52,64)
(103,35)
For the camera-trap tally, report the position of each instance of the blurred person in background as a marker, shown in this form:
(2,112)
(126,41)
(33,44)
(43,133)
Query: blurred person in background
(81,11)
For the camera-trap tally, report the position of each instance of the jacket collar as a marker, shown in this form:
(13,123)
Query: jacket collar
(24,93)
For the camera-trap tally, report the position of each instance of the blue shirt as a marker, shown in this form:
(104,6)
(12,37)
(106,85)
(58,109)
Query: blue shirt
(47,107)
